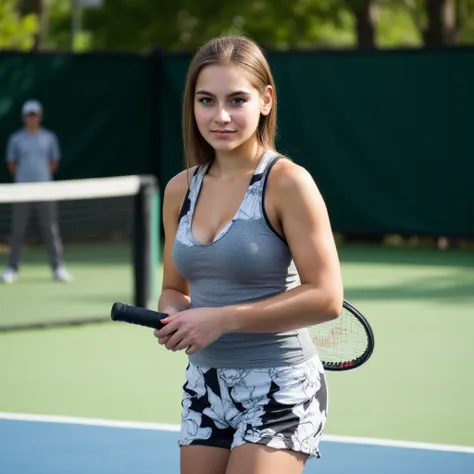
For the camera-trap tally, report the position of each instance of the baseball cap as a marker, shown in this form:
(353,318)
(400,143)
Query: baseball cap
(32,107)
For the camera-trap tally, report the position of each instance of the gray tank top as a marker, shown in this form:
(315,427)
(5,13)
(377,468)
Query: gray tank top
(246,262)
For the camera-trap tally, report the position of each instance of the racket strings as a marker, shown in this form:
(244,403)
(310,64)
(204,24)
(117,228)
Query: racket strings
(343,339)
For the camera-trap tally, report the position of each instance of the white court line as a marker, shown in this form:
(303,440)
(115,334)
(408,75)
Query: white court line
(169,427)
(136,425)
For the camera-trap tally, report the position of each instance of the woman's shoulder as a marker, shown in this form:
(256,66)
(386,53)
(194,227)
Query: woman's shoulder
(177,187)
(179,183)
(292,187)
(286,175)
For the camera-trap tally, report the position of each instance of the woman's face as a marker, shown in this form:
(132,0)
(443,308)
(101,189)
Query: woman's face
(227,107)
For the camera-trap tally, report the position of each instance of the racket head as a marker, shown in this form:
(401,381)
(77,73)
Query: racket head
(344,343)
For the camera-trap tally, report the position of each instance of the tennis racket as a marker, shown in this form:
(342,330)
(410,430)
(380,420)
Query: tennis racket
(346,342)
(343,343)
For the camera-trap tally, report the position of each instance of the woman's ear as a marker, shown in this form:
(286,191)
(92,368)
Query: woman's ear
(267,100)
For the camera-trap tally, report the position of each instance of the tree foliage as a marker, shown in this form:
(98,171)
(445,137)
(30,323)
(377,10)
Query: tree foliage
(282,24)
(16,31)
(127,25)
(139,26)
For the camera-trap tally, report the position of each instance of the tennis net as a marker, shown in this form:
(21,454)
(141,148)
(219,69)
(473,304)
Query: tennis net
(109,228)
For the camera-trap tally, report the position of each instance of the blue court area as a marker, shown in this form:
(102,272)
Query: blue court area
(40,447)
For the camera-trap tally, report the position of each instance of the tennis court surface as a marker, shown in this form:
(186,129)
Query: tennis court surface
(408,410)
(43,445)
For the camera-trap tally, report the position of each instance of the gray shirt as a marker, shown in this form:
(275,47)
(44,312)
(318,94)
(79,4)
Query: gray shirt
(246,262)
(33,154)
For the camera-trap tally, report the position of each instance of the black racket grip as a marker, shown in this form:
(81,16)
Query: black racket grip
(135,315)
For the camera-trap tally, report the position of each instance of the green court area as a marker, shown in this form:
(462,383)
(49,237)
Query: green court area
(102,273)
(417,387)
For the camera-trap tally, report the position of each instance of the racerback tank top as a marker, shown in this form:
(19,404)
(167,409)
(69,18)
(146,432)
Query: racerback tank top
(246,262)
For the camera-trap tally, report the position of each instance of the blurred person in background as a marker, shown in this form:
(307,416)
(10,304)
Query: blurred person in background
(32,156)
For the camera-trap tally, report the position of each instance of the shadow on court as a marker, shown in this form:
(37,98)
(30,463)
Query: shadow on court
(383,255)
(457,287)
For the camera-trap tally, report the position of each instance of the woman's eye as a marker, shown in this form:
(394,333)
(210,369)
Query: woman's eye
(239,101)
(206,101)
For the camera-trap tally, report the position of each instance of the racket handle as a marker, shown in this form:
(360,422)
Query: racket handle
(135,315)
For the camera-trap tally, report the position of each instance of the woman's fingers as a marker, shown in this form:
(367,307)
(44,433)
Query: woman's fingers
(163,340)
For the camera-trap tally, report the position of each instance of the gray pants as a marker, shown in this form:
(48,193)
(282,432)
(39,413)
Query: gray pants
(46,212)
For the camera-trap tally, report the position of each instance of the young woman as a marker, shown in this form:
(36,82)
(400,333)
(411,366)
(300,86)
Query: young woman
(249,262)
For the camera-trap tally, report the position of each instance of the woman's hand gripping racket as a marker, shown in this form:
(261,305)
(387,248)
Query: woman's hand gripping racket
(343,343)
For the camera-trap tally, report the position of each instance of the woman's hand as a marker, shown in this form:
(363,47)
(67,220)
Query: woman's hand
(191,329)
(170,311)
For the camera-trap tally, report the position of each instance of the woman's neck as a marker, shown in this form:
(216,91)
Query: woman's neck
(237,161)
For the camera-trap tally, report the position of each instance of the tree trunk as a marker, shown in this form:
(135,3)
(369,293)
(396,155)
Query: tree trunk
(38,8)
(365,12)
(441,29)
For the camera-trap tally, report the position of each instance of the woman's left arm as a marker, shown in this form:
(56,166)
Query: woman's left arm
(305,223)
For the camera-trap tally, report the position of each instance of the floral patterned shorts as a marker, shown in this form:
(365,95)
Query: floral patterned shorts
(282,408)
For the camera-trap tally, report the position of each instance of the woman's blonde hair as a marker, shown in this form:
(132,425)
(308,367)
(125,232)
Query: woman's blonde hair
(239,51)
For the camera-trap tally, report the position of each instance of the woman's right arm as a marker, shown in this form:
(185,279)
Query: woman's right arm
(175,289)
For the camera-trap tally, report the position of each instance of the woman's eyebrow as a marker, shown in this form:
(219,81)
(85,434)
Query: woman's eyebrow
(241,92)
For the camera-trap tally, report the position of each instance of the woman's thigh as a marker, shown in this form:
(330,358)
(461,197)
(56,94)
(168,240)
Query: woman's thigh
(259,459)
(204,460)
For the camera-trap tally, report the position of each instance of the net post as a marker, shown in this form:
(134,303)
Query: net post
(144,241)
(155,245)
